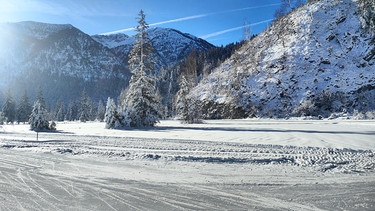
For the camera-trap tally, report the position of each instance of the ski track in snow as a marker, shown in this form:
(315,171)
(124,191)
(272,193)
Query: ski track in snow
(73,170)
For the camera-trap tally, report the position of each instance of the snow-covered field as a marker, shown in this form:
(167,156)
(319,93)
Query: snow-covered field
(218,165)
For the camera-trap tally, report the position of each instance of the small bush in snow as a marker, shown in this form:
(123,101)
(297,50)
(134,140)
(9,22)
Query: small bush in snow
(306,108)
(357,115)
(370,114)
(52,126)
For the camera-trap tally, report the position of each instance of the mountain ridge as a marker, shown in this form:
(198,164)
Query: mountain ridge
(60,59)
(49,55)
(171,46)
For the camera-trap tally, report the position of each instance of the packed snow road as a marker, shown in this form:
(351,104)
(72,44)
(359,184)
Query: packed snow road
(174,167)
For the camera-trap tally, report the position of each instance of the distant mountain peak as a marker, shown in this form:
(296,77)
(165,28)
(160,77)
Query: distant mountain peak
(41,30)
(59,58)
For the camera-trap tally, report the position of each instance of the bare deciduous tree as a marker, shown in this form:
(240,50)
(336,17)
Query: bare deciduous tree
(287,6)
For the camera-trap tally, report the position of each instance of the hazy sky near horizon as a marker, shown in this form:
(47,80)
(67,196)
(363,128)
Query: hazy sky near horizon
(218,21)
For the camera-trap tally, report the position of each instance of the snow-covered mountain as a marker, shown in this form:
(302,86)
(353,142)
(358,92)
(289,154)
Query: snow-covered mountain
(317,60)
(63,60)
(171,46)
(59,58)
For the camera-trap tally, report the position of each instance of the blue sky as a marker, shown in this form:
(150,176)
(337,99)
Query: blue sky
(218,21)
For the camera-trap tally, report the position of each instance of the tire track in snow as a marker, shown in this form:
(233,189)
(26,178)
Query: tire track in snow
(264,202)
(6,177)
(119,199)
(21,187)
(204,151)
(40,187)
(18,164)
(173,199)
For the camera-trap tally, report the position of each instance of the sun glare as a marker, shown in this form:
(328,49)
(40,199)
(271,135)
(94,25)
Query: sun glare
(5,39)
(6,10)
(8,13)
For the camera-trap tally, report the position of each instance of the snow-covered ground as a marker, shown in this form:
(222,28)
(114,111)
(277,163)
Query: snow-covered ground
(218,165)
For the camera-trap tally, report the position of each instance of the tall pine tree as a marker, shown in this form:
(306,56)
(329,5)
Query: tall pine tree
(24,109)
(2,118)
(141,54)
(40,98)
(186,108)
(111,116)
(85,108)
(100,112)
(72,112)
(9,108)
(142,106)
(60,110)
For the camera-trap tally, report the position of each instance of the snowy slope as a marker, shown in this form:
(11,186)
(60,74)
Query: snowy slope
(114,40)
(317,60)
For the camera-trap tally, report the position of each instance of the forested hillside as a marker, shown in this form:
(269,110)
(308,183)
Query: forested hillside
(316,60)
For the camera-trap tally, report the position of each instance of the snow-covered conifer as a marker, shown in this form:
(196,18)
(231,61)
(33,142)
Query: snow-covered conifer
(2,118)
(182,107)
(142,106)
(24,109)
(186,108)
(40,98)
(72,111)
(38,118)
(85,107)
(111,117)
(142,102)
(9,108)
(141,54)
(101,111)
(93,111)
(60,111)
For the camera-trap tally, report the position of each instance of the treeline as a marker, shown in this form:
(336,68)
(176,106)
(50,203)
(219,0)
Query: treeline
(201,64)
(82,109)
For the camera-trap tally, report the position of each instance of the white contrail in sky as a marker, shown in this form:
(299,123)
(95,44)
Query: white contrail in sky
(160,23)
(191,18)
(232,29)
(180,19)
(256,7)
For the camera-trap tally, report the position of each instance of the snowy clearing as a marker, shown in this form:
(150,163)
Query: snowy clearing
(218,165)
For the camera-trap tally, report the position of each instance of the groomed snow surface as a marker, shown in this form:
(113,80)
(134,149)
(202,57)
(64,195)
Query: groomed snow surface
(218,165)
